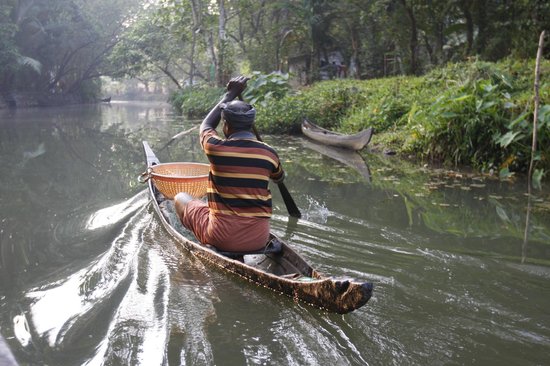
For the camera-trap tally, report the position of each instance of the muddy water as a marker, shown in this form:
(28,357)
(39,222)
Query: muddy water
(87,266)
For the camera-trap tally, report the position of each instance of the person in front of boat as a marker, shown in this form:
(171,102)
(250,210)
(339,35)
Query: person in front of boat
(236,216)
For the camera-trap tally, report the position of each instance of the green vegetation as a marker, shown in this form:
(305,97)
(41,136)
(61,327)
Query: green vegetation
(196,102)
(402,65)
(54,48)
(484,118)
(477,114)
(55,51)
(263,88)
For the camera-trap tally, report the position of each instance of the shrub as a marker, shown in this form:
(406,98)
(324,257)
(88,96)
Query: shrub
(196,102)
(264,87)
(325,103)
(483,119)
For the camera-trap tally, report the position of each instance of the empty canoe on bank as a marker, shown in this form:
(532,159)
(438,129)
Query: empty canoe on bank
(353,142)
(277,266)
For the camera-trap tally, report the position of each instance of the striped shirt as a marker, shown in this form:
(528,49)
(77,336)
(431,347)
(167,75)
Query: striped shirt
(240,169)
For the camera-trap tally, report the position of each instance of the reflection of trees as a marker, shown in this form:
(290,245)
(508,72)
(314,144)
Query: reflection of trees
(58,167)
(453,203)
(480,213)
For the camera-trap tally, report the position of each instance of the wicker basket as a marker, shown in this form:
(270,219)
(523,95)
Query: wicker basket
(172,178)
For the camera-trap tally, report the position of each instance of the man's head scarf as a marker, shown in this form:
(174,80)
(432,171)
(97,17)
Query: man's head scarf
(238,114)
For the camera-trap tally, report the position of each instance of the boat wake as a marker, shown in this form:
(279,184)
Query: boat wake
(116,309)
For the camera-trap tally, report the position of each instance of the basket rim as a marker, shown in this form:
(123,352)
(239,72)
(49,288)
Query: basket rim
(170,176)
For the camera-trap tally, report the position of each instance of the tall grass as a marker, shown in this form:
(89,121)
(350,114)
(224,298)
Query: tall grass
(482,119)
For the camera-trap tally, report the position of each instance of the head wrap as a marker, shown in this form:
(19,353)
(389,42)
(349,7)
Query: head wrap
(239,115)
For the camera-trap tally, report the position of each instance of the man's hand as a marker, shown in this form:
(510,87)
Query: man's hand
(236,86)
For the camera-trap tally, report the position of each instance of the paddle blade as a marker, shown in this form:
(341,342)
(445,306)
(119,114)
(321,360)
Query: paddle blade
(289,202)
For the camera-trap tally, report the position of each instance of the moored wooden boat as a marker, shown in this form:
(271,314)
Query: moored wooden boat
(278,267)
(353,142)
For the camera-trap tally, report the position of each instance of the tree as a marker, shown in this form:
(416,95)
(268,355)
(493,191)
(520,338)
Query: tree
(12,14)
(73,42)
(146,46)
(69,39)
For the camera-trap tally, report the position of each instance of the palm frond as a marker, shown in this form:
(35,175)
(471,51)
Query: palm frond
(30,62)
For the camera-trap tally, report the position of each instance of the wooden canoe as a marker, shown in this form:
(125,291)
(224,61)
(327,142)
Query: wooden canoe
(353,142)
(283,271)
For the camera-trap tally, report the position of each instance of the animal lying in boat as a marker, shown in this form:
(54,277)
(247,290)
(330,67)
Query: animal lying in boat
(353,142)
(277,266)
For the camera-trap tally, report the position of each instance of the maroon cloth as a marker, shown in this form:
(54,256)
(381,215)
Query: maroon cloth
(225,232)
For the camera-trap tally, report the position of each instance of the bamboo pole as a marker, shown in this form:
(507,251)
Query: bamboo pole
(536,112)
(533,147)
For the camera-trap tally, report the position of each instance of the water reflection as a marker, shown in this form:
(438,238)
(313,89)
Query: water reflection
(55,307)
(347,157)
(84,259)
(116,213)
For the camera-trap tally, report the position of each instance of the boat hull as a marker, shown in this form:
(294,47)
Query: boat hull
(355,142)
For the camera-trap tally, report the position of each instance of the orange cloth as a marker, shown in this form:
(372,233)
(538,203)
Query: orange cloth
(225,232)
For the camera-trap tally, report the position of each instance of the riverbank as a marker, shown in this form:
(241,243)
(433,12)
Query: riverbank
(35,99)
(476,114)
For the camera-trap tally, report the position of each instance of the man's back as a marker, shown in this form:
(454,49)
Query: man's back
(240,169)
(236,217)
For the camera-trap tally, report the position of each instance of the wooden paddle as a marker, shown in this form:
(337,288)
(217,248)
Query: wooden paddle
(287,198)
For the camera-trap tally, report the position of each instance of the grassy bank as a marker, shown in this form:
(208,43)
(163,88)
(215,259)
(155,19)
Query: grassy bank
(476,114)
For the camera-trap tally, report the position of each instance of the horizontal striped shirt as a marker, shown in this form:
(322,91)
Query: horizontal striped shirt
(240,170)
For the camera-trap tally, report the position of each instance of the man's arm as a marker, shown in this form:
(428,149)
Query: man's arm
(234,88)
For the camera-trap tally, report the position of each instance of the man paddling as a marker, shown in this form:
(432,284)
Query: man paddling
(236,217)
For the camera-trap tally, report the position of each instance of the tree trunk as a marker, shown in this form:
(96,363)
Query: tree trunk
(170,76)
(429,48)
(308,68)
(466,10)
(481,17)
(212,56)
(222,44)
(192,59)
(355,52)
(413,43)
(438,14)
(196,12)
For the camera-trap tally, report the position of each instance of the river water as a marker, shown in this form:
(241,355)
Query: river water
(87,265)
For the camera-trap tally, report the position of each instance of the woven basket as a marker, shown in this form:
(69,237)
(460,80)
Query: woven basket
(172,178)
